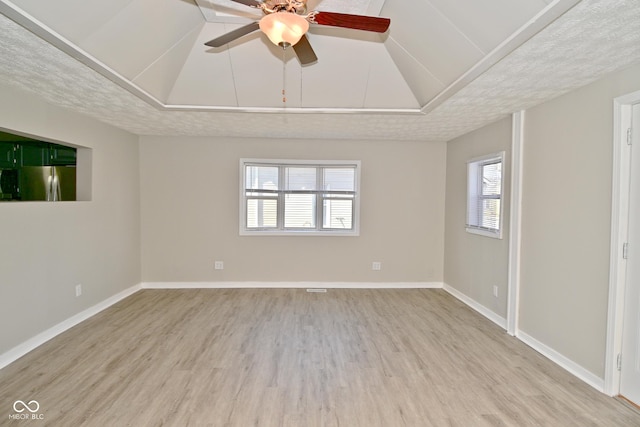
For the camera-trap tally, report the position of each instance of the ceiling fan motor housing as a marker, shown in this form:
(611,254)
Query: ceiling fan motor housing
(293,6)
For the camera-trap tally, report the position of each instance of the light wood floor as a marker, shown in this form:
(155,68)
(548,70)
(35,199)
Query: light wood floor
(248,357)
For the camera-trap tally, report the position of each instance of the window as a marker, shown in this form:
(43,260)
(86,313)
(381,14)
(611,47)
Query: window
(484,195)
(299,197)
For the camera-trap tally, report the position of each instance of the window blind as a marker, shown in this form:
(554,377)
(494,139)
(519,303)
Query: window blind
(320,197)
(484,194)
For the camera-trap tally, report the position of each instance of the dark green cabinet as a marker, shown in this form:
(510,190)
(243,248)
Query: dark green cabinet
(60,155)
(8,155)
(14,155)
(34,154)
(42,154)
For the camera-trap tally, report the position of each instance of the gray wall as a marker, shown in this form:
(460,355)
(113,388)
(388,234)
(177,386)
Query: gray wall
(566,220)
(190,199)
(473,264)
(49,248)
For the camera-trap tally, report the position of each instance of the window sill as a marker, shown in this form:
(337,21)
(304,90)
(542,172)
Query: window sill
(486,233)
(297,233)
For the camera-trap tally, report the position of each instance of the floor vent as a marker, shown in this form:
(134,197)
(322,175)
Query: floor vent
(316,290)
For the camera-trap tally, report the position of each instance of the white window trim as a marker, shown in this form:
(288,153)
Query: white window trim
(494,157)
(243,231)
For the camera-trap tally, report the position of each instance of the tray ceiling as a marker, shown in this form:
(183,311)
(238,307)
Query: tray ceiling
(439,71)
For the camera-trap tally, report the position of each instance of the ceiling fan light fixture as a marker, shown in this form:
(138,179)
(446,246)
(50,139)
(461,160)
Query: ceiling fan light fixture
(284,28)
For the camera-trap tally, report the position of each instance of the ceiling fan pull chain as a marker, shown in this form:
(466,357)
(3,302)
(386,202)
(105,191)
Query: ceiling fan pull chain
(284,75)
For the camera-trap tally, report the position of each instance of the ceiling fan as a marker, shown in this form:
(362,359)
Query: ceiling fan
(286,23)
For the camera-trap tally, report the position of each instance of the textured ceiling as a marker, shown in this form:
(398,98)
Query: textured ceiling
(589,41)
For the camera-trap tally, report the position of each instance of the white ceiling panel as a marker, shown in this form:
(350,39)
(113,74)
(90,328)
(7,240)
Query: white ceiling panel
(73,19)
(357,7)
(353,71)
(206,78)
(160,77)
(488,23)
(257,72)
(431,39)
(386,87)
(141,33)
(423,84)
(226,10)
(341,72)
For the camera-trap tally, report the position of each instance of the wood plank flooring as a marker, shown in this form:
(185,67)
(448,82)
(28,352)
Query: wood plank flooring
(271,357)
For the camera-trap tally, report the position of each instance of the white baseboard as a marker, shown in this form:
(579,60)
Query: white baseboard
(20,350)
(495,318)
(568,364)
(292,285)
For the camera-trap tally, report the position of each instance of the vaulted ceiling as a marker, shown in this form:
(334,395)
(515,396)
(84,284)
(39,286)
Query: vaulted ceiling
(443,68)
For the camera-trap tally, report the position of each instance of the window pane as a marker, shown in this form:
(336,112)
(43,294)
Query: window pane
(339,179)
(338,214)
(300,178)
(484,195)
(300,211)
(491,213)
(299,197)
(491,179)
(262,213)
(261,194)
(262,177)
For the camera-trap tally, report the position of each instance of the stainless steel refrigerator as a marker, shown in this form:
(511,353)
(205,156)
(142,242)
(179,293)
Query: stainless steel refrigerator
(49,183)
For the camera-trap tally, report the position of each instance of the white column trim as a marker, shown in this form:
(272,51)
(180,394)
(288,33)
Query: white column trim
(515,222)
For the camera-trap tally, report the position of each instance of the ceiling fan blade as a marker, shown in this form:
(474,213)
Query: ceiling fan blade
(304,51)
(232,35)
(357,22)
(253,3)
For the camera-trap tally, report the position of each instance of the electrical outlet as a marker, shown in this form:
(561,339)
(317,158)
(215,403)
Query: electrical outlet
(495,291)
(219,265)
(376,265)
(78,290)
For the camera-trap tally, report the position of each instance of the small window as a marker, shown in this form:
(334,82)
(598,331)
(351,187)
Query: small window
(299,197)
(484,195)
